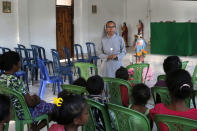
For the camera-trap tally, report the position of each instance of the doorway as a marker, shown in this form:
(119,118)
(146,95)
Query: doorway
(65,27)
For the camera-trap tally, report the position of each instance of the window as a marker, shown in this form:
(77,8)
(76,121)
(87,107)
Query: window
(64,2)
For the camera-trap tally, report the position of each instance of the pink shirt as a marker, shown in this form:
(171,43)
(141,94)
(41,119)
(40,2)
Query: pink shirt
(161,109)
(56,127)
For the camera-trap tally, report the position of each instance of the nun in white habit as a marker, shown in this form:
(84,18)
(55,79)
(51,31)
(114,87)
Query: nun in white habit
(111,51)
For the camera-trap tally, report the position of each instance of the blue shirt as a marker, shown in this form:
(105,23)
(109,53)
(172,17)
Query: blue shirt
(109,46)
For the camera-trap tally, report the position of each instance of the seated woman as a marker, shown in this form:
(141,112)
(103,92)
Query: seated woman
(180,86)
(10,63)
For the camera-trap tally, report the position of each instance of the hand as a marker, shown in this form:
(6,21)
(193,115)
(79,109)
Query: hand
(36,98)
(112,56)
(109,57)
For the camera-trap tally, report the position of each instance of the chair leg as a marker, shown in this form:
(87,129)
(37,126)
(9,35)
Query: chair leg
(54,88)
(19,125)
(6,127)
(40,89)
(52,67)
(49,68)
(70,78)
(58,87)
(43,89)
(26,80)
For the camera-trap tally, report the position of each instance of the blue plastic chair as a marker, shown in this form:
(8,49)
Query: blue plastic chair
(45,79)
(91,49)
(67,56)
(44,58)
(40,52)
(59,69)
(24,75)
(28,62)
(78,49)
(4,49)
(21,46)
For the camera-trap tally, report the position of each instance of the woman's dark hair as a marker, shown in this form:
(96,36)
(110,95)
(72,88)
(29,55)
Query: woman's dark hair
(80,82)
(71,108)
(8,60)
(179,83)
(171,63)
(122,73)
(95,85)
(141,94)
(4,107)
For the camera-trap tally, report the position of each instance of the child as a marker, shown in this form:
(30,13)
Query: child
(180,86)
(80,82)
(95,87)
(122,73)
(71,112)
(4,110)
(10,63)
(140,97)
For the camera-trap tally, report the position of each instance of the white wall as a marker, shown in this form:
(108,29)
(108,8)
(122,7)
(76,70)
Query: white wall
(8,26)
(169,10)
(34,21)
(137,10)
(31,22)
(42,24)
(88,26)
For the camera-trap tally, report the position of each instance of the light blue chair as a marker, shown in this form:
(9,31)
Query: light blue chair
(45,79)
(91,49)
(60,70)
(78,49)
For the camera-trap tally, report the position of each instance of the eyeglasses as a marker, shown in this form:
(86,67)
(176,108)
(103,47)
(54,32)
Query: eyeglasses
(111,26)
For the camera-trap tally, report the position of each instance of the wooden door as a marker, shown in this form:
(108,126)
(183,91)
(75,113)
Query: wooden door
(64,29)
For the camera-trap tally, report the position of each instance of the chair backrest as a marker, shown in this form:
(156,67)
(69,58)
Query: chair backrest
(78,49)
(113,88)
(91,124)
(36,52)
(175,123)
(85,69)
(56,61)
(127,119)
(162,92)
(184,64)
(43,70)
(194,77)
(67,55)
(164,95)
(138,70)
(75,89)
(24,56)
(42,53)
(4,49)
(5,90)
(21,46)
(161,77)
(91,48)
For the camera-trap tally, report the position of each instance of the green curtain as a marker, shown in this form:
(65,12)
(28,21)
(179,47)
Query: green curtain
(174,38)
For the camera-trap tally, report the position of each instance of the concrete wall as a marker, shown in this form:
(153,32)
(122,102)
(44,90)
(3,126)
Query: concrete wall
(34,21)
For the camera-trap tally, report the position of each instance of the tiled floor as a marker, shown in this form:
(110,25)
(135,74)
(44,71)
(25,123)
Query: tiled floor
(155,62)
